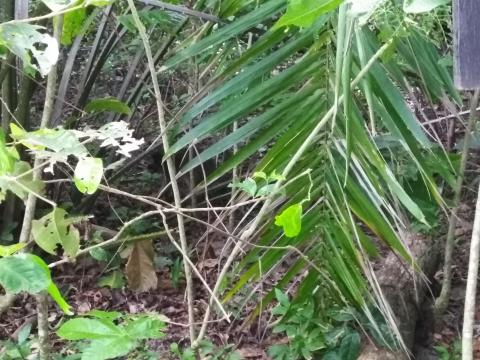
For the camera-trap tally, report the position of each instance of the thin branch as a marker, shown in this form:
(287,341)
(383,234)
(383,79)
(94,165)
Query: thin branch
(172,172)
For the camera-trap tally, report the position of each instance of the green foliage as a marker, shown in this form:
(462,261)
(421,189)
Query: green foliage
(304,13)
(11,249)
(108,104)
(37,50)
(290,220)
(55,229)
(29,273)
(110,334)
(260,185)
(207,350)
(452,352)
(311,333)
(72,24)
(20,349)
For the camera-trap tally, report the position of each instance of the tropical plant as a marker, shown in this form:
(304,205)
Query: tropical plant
(301,105)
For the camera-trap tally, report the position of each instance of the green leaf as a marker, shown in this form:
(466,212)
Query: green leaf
(113,280)
(88,174)
(72,25)
(11,249)
(105,315)
(248,185)
(148,326)
(56,229)
(350,347)
(304,13)
(419,6)
(63,142)
(27,41)
(108,348)
(22,273)
(108,104)
(89,329)
(7,161)
(290,220)
(20,181)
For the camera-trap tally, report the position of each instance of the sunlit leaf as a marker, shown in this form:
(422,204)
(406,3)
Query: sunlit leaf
(304,13)
(290,220)
(21,273)
(88,174)
(11,249)
(419,6)
(20,181)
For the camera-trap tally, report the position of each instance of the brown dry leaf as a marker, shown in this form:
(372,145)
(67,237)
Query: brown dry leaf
(140,269)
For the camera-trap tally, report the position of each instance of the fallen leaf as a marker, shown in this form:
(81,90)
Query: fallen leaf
(140,269)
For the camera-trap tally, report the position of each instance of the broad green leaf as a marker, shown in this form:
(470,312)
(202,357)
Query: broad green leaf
(148,326)
(113,280)
(304,13)
(350,347)
(52,288)
(72,25)
(37,49)
(108,348)
(290,220)
(89,329)
(11,249)
(419,6)
(56,229)
(88,174)
(108,104)
(105,315)
(20,181)
(21,273)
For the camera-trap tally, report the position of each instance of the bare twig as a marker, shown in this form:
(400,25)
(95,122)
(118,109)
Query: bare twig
(172,172)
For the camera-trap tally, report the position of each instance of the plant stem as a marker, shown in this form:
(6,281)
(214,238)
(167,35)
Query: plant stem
(42,325)
(441,302)
(293,161)
(172,172)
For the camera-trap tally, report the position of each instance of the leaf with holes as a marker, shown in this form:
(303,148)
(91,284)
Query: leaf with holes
(88,174)
(37,50)
(140,269)
(290,220)
(56,229)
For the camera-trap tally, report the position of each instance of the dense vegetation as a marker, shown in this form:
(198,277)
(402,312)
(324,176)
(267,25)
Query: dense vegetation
(269,155)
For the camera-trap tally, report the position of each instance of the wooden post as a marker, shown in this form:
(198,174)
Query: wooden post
(466,23)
